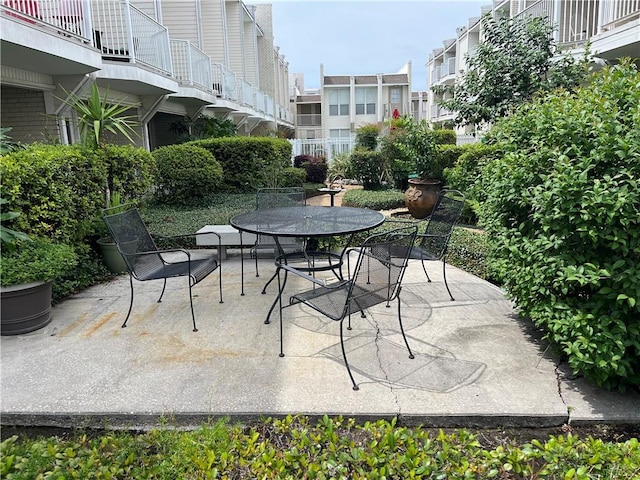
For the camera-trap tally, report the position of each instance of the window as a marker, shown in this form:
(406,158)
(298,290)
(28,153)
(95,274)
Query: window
(366,101)
(339,133)
(339,101)
(395,94)
(311,134)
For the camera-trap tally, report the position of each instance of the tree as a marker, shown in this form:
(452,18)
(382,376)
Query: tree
(514,61)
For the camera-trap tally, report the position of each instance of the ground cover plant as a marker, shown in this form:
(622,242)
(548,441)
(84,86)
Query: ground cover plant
(561,213)
(297,448)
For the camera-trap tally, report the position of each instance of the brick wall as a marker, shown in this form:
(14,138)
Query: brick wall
(24,111)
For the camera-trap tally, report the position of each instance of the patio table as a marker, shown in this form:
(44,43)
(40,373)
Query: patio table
(310,222)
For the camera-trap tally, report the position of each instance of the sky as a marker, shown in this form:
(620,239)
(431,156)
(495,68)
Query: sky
(356,37)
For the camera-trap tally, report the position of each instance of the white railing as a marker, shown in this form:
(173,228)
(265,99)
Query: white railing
(322,147)
(224,82)
(449,66)
(309,119)
(191,65)
(247,93)
(125,33)
(615,12)
(71,16)
(574,21)
(260,101)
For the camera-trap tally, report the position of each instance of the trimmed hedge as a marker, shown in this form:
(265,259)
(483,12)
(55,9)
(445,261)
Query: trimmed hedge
(562,213)
(58,189)
(186,174)
(249,162)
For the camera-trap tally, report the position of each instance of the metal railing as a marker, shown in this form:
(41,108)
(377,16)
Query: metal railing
(614,13)
(191,65)
(70,16)
(224,82)
(122,32)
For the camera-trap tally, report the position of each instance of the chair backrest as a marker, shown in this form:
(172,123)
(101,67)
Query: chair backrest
(131,235)
(279,197)
(444,217)
(382,261)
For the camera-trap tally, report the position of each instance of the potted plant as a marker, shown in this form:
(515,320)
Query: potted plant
(107,247)
(28,268)
(416,144)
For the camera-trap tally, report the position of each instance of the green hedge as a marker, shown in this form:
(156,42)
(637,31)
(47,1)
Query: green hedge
(249,162)
(562,213)
(186,174)
(373,199)
(130,170)
(59,190)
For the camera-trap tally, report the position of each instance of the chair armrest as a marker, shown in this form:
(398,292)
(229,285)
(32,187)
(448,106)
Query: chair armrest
(157,252)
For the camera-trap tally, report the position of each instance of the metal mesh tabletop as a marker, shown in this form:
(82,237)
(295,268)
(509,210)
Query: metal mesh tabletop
(307,221)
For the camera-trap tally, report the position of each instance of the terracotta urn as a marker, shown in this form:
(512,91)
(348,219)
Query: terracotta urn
(421,196)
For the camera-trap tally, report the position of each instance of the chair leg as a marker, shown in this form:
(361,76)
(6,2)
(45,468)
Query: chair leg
(424,267)
(444,274)
(264,289)
(130,302)
(220,281)
(193,316)
(344,355)
(280,309)
(163,288)
(402,330)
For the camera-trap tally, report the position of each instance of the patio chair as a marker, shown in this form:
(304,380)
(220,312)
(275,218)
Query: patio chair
(274,198)
(145,261)
(432,242)
(376,278)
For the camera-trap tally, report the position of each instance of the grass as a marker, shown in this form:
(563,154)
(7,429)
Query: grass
(297,448)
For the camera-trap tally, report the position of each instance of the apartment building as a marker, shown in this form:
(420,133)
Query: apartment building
(345,102)
(612,26)
(166,59)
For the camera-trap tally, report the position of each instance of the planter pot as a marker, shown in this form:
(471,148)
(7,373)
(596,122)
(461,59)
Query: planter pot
(111,256)
(25,307)
(421,196)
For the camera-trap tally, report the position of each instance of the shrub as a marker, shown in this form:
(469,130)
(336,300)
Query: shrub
(59,189)
(444,137)
(249,162)
(562,212)
(341,166)
(368,167)
(466,175)
(315,167)
(373,199)
(291,177)
(186,174)
(367,136)
(130,170)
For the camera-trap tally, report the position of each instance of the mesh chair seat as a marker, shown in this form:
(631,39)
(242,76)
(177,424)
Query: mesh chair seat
(376,278)
(146,262)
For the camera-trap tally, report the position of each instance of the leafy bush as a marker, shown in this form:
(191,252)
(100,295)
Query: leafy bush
(373,199)
(249,162)
(35,261)
(314,167)
(59,189)
(367,136)
(341,166)
(186,174)
(466,175)
(368,167)
(295,447)
(291,177)
(130,170)
(444,137)
(562,213)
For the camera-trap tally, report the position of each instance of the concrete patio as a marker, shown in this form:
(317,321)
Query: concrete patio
(477,363)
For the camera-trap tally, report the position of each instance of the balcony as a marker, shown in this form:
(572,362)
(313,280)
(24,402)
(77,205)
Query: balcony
(191,66)
(309,120)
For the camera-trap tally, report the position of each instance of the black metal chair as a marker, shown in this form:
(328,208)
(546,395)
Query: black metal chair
(145,261)
(376,278)
(274,198)
(433,241)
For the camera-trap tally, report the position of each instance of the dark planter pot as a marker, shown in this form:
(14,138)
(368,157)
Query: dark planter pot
(25,307)
(421,196)
(111,256)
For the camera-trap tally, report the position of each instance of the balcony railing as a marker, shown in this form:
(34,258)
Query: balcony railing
(614,13)
(70,16)
(309,119)
(224,82)
(574,21)
(125,33)
(191,65)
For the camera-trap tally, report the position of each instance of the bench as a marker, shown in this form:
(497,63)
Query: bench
(229,237)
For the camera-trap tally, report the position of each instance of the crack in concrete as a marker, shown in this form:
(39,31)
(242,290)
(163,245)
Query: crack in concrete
(386,376)
(558,374)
